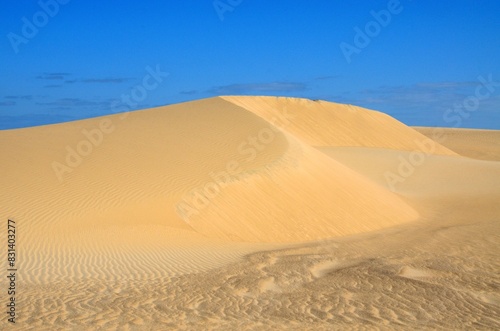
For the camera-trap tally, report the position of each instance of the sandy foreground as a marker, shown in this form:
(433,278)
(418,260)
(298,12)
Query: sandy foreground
(251,213)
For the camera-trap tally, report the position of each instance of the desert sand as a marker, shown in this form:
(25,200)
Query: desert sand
(253,213)
(476,144)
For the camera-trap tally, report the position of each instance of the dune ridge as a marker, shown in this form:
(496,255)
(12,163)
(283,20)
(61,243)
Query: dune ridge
(321,123)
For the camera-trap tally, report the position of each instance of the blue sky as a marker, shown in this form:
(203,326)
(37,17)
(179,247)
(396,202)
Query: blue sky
(421,61)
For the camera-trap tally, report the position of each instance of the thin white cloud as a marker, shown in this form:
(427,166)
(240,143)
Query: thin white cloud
(258,87)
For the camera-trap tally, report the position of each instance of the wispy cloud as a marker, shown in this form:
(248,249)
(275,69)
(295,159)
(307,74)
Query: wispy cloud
(425,103)
(53,76)
(7,103)
(445,85)
(425,95)
(66,78)
(68,103)
(19,97)
(325,77)
(106,80)
(256,88)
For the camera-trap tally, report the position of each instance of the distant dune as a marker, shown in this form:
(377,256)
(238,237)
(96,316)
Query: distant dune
(180,217)
(473,143)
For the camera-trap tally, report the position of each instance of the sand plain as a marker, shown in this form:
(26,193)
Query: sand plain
(253,213)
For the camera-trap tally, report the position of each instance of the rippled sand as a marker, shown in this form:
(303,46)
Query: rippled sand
(311,231)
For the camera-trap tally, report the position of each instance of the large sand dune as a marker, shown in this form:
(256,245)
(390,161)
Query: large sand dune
(168,167)
(252,213)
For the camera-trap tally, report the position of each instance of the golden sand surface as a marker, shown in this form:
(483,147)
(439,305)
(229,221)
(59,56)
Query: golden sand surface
(252,213)
(473,143)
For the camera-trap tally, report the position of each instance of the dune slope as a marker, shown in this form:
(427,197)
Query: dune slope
(321,123)
(88,191)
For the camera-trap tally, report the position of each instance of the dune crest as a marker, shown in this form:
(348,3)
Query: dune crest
(322,123)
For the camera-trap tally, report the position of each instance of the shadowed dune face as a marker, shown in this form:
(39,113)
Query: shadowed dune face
(280,203)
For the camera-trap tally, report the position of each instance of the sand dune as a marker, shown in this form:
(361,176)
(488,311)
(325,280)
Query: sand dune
(162,165)
(433,177)
(252,213)
(473,143)
(321,123)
